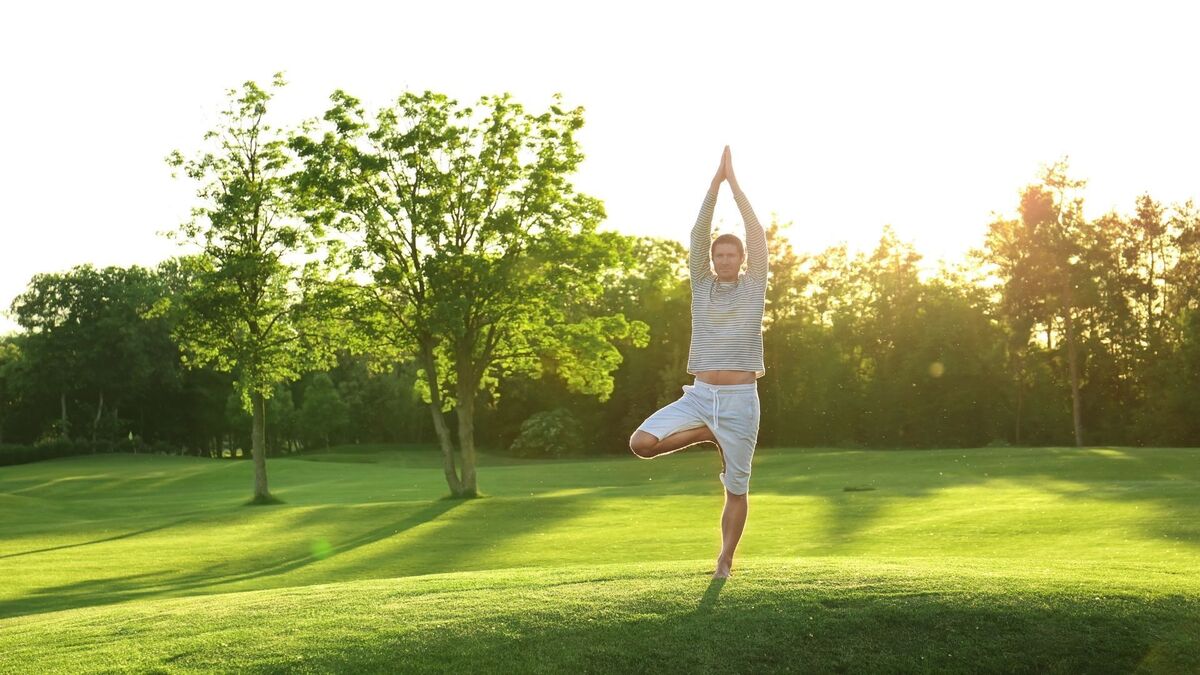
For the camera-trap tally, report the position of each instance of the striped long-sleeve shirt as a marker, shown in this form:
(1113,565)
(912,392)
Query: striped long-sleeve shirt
(727,317)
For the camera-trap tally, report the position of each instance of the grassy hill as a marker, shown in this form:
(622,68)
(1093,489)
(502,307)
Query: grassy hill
(998,559)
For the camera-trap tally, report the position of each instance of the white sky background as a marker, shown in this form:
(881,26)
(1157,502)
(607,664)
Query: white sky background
(842,117)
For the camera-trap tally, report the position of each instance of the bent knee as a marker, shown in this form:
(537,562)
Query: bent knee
(642,444)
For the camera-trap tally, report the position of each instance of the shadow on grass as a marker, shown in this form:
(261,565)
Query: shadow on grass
(100,541)
(464,532)
(118,589)
(783,630)
(473,525)
(102,475)
(859,485)
(478,526)
(264,500)
(709,600)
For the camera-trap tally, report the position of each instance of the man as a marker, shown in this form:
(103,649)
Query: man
(725,356)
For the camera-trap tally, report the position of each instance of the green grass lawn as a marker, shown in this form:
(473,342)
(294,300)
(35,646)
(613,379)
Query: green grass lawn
(997,559)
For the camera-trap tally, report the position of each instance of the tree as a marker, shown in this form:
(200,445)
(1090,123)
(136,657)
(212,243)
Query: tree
(1041,259)
(955,362)
(249,306)
(889,329)
(55,342)
(816,308)
(654,290)
(323,415)
(284,431)
(550,433)
(1018,304)
(1185,274)
(88,337)
(10,356)
(483,257)
(383,405)
(1171,379)
(792,348)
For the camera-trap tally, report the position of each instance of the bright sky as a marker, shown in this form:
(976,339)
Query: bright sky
(842,116)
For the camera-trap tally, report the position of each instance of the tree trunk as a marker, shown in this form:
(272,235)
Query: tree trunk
(99,412)
(466,436)
(258,443)
(447,445)
(429,365)
(1073,367)
(1020,401)
(63,402)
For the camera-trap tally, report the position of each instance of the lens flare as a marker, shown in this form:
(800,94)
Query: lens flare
(321,549)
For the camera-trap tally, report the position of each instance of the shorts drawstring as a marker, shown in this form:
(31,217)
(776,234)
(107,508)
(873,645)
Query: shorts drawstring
(715,392)
(736,442)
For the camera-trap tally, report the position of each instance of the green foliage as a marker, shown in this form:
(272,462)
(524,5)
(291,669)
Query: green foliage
(485,261)
(382,405)
(285,421)
(56,447)
(480,249)
(862,351)
(1098,304)
(652,289)
(323,416)
(256,302)
(10,390)
(89,338)
(550,433)
(482,285)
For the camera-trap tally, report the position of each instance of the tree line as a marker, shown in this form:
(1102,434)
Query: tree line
(427,273)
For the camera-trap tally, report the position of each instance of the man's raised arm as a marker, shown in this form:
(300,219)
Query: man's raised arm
(698,255)
(756,238)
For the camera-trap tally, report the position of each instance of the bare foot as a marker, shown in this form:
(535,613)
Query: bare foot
(724,569)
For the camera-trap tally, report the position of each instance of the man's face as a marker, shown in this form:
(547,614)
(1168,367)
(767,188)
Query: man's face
(727,260)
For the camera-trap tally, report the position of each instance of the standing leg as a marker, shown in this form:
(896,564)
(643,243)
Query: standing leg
(733,521)
(737,439)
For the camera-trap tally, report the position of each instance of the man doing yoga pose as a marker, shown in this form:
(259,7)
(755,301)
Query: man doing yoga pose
(726,358)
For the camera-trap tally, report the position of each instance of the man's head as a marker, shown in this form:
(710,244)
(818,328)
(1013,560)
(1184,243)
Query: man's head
(727,255)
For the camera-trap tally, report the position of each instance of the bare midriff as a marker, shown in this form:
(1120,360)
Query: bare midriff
(726,376)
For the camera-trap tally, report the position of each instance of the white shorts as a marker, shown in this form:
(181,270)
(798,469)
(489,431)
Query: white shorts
(731,411)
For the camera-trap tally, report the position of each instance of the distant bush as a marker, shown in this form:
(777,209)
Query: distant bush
(15,454)
(56,447)
(552,433)
(49,448)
